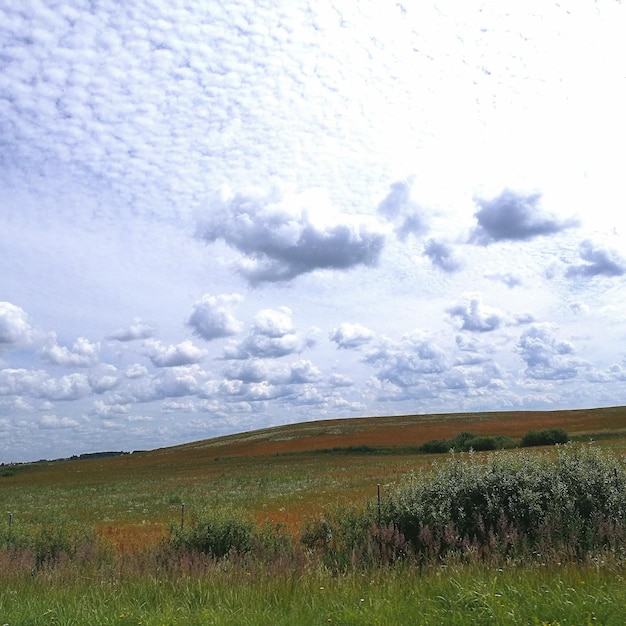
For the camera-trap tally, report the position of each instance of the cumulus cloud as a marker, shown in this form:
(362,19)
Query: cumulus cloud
(478,317)
(104,409)
(399,208)
(184,353)
(52,422)
(66,388)
(348,335)
(284,237)
(514,216)
(15,328)
(340,380)
(168,382)
(83,353)
(600,261)
(405,363)
(21,381)
(545,356)
(137,330)
(442,255)
(274,373)
(212,318)
(179,381)
(136,370)
(272,335)
(104,378)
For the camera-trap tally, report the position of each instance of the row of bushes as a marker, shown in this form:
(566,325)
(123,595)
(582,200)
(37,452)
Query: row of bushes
(508,506)
(466,441)
(566,504)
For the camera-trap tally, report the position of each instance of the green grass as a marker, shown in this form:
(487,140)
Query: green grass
(454,595)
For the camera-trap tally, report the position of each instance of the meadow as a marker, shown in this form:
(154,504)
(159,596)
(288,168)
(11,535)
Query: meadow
(302,538)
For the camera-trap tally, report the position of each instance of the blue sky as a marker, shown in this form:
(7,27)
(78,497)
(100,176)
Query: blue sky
(220,217)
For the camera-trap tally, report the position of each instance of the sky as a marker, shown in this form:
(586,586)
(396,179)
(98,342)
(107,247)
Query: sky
(221,216)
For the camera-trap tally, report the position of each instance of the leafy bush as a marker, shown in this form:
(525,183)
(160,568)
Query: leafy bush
(47,544)
(436,446)
(220,536)
(511,504)
(217,536)
(464,442)
(548,437)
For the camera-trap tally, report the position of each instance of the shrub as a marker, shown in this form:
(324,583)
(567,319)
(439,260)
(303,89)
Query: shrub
(435,446)
(48,544)
(348,538)
(548,437)
(464,442)
(215,537)
(220,536)
(510,504)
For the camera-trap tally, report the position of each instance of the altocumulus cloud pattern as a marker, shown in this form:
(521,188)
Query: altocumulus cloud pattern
(218,217)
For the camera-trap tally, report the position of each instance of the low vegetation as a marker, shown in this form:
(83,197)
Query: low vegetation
(504,535)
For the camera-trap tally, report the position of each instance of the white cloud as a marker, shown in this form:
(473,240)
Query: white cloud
(54,422)
(66,388)
(478,317)
(406,362)
(184,353)
(273,372)
(137,330)
(515,216)
(399,208)
(212,318)
(599,261)
(103,409)
(283,237)
(348,335)
(104,378)
(442,255)
(136,370)
(83,353)
(272,335)
(15,329)
(547,357)
(21,382)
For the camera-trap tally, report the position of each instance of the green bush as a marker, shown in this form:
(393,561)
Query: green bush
(47,544)
(464,442)
(548,437)
(215,537)
(220,536)
(512,503)
(435,446)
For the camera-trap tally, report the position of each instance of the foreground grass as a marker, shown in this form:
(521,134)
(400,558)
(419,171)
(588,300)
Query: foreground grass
(455,595)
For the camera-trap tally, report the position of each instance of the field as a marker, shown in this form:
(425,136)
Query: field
(285,475)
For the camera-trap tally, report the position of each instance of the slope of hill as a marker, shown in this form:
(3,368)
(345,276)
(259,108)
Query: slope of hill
(281,474)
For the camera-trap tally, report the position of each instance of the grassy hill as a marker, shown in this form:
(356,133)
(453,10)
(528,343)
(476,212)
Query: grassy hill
(293,474)
(280,474)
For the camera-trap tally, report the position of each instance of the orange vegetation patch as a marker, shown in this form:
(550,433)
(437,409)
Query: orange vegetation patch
(132,538)
(406,431)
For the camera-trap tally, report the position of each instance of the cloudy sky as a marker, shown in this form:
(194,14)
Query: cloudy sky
(219,216)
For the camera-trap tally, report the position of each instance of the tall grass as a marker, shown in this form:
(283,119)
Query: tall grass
(515,537)
(467,594)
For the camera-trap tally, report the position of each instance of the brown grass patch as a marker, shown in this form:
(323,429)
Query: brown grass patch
(132,538)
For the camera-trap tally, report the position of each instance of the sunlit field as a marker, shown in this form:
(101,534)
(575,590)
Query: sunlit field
(95,541)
